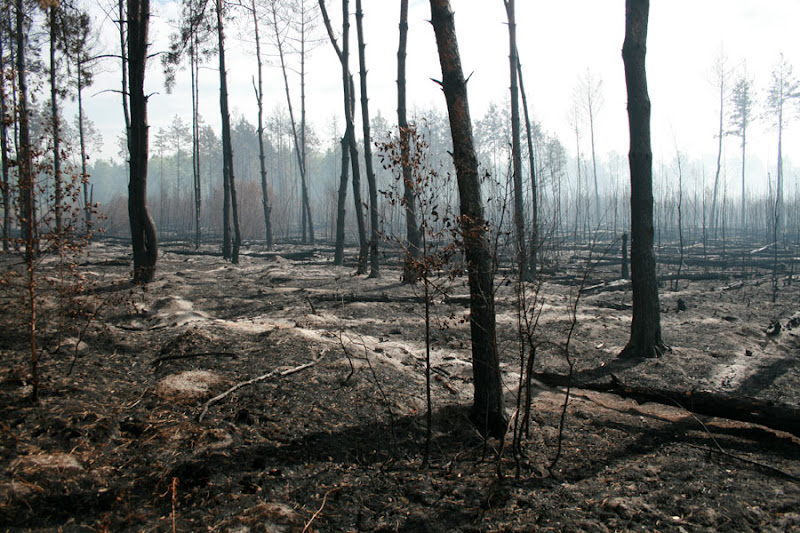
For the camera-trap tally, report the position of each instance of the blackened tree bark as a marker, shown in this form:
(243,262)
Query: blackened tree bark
(374,264)
(350,138)
(645,340)
(25,177)
(488,413)
(409,197)
(143,230)
(227,149)
(297,137)
(123,38)
(261,157)
(516,145)
(534,246)
(307,218)
(54,119)
(194,65)
(5,32)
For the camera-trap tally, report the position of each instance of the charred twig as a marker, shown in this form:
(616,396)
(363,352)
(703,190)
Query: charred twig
(279,373)
(164,358)
(777,471)
(321,507)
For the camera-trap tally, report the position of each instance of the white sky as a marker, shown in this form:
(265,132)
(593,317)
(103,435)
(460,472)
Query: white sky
(557,42)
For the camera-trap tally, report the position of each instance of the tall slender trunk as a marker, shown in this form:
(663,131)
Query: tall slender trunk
(779,182)
(409,196)
(27,189)
(349,104)
(195,68)
(534,246)
(298,146)
(363,248)
(594,164)
(744,190)
(124,58)
(341,201)
(58,186)
(488,412)
(516,145)
(713,220)
(227,148)
(645,340)
(305,178)
(87,203)
(374,264)
(143,231)
(6,189)
(261,157)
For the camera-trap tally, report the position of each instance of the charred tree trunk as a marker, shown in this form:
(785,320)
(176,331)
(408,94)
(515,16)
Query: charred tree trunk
(87,202)
(713,220)
(488,412)
(194,65)
(299,145)
(143,230)
(58,192)
(26,180)
(349,137)
(645,340)
(227,148)
(374,265)
(124,58)
(261,157)
(308,220)
(409,197)
(534,246)
(363,247)
(6,190)
(341,202)
(516,145)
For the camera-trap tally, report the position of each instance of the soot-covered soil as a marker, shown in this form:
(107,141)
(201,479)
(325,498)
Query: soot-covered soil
(329,435)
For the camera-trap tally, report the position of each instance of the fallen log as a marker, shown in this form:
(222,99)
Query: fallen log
(767,413)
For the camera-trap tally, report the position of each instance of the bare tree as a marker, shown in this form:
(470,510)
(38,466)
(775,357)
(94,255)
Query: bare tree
(5,32)
(349,141)
(740,118)
(589,92)
(409,200)
(645,340)
(488,412)
(298,137)
(516,145)
(783,90)
(721,75)
(143,230)
(259,90)
(229,182)
(374,264)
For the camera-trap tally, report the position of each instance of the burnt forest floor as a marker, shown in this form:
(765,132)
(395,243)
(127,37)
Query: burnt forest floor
(330,433)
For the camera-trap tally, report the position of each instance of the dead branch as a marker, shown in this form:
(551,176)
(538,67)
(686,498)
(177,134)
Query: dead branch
(769,468)
(162,359)
(268,375)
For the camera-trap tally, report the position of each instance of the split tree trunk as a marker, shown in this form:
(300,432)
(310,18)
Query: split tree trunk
(374,265)
(516,145)
(534,246)
(488,412)
(645,340)
(143,230)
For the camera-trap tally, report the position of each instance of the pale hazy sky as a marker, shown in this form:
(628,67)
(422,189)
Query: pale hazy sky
(558,41)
